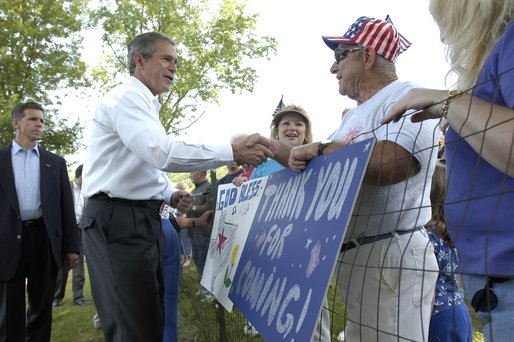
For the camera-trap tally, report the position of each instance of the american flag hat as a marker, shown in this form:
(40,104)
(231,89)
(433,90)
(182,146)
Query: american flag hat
(376,33)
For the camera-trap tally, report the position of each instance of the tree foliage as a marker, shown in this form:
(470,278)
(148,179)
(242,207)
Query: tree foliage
(215,41)
(39,56)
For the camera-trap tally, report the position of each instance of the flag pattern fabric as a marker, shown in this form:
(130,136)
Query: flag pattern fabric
(280,106)
(377,33)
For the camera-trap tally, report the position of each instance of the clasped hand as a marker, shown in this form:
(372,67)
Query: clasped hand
(181,200)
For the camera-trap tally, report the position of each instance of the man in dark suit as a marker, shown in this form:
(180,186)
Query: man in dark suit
(38,231)
(78,271)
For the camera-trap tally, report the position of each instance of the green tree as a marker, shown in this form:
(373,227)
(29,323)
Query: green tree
(38,58)
(215,41)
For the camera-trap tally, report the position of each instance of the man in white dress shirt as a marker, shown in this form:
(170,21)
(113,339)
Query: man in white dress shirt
(128,150)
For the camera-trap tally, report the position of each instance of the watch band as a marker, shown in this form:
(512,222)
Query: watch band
(322,146)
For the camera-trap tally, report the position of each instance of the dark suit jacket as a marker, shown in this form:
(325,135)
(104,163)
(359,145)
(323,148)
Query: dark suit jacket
(58,211)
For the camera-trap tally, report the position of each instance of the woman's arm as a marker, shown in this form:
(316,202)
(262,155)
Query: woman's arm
(488,128)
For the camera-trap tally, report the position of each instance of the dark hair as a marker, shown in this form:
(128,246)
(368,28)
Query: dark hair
(437,196)
(143,44)
(78,171)
(17,111)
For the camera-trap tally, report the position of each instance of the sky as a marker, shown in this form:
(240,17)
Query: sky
(300,69)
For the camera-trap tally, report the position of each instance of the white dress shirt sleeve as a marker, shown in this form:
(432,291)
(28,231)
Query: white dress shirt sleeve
(138,126)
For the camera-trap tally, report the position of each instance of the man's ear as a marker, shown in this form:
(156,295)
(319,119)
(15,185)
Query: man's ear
(139,60)
(369,57)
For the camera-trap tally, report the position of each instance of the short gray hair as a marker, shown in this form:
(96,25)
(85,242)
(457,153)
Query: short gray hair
(17,111)
(143,44)
(381,63)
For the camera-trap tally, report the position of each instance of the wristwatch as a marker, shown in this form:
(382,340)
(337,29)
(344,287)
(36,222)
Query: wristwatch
(322,146)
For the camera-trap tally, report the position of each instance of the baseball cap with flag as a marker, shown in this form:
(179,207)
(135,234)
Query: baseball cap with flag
(376,33)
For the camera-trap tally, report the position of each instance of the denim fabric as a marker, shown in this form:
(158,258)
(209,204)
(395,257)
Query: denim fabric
(498,322)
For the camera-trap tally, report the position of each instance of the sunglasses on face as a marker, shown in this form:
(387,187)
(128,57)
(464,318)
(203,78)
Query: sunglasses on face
(342,53)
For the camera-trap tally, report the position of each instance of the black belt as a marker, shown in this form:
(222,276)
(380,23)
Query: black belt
(33,223)
(135,203)
(369,239)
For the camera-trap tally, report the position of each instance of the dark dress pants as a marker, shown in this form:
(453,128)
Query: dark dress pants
(38,270)
(124,242)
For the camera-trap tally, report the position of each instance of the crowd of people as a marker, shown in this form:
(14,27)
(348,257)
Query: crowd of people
(420,220)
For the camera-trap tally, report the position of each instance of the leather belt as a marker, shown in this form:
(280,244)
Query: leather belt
(135,203)
(33,223)
(369,239)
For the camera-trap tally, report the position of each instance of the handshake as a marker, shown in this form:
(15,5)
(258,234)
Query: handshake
(255,149)
(252,150)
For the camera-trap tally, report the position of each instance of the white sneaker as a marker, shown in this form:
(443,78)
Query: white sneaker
(96,322)
(341,337)
(249,329)
(208,298)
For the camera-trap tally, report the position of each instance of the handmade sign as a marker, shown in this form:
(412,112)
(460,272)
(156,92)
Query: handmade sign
(294,240)
(234,213)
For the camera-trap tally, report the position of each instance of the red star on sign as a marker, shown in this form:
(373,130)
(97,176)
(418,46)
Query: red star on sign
(221,241)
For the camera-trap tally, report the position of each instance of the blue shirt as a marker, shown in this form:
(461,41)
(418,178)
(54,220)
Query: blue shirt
(25,164)
(479,204)
(266,169)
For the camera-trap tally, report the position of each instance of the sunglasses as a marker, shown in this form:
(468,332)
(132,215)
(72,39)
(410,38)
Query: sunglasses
(341,53)
(485,300)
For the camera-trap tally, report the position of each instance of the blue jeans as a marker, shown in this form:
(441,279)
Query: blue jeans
(499,321)
(452,324)
(171,270)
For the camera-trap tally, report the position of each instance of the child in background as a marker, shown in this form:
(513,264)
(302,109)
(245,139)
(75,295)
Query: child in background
(450,320)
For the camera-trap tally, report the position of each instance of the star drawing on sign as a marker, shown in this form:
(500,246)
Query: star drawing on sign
(221,240)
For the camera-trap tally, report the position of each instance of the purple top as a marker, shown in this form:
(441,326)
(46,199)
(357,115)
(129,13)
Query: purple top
(480,199)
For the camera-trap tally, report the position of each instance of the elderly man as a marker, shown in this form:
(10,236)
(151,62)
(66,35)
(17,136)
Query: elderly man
(387,265)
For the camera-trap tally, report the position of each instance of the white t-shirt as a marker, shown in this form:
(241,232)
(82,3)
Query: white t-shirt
(78,200)
(401,206)
(128,147)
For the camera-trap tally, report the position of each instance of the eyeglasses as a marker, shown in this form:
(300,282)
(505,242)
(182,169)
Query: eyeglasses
(485,300)
(341,53)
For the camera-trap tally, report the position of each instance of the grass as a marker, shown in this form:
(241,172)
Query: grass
(74,322)
(197,321)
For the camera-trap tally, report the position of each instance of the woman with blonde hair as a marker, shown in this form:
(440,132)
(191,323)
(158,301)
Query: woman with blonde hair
(290,125)
(479,150)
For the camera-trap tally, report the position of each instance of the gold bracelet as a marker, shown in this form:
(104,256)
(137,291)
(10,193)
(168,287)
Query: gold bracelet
(452,94)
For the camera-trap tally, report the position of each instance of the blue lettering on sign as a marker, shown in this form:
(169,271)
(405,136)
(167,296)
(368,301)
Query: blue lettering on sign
(249,190)
(227,197)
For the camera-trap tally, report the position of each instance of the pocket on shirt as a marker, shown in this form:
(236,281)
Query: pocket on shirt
(426,273)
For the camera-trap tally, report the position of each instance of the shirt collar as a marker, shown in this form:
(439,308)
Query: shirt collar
(17,148)
(146,92)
